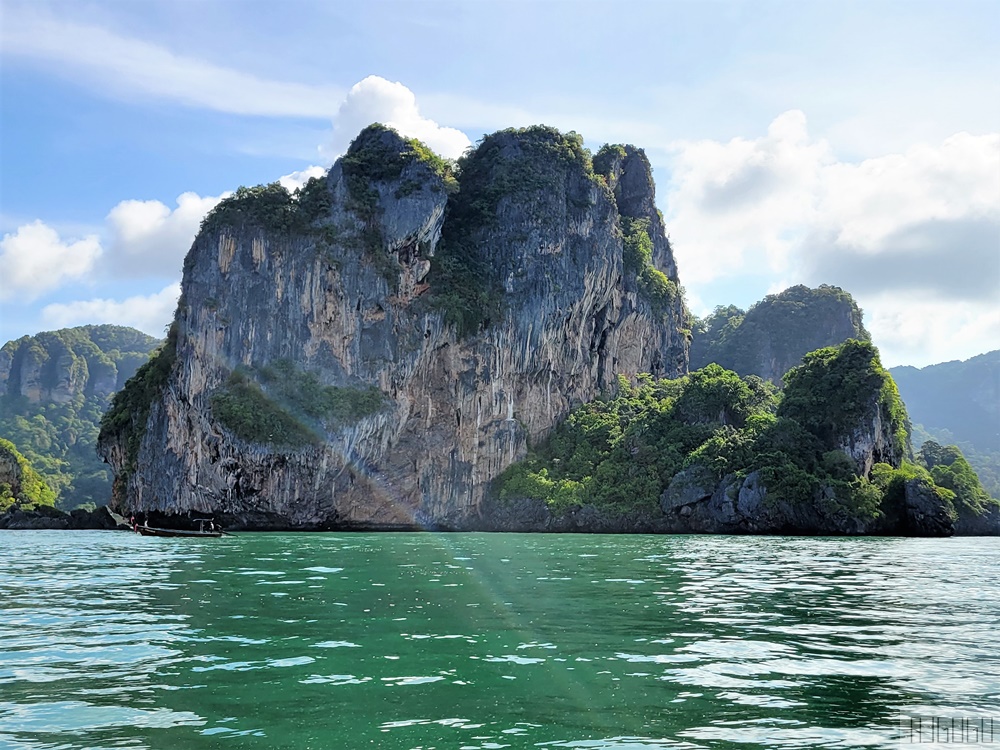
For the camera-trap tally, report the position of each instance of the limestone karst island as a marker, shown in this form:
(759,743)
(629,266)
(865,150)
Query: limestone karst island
(497,344)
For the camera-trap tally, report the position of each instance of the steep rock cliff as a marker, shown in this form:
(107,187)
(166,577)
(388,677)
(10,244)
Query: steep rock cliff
(57,366)
(435,372)
(54,387)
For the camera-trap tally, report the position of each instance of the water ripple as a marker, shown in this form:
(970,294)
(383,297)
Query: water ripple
(113,640)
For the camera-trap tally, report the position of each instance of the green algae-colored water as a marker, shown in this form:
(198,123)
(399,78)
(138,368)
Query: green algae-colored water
(426,641)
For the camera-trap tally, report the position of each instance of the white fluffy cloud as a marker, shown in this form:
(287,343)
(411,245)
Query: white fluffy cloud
(147,238)
(375,99)
(291,182)
(34,260)
(923,332)
(914,236)
(149,313)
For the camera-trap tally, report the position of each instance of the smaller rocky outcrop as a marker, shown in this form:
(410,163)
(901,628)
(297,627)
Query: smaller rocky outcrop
(774,334)
(971,523)
(49,518)
(928,511)
(716,453)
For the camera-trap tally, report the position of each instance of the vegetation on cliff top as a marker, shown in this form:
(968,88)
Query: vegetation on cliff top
(20,484)
(271,207)
(620,453)
(380,154)
(777,331)
(605,158)
(281,405)
(54,419)
(465,285)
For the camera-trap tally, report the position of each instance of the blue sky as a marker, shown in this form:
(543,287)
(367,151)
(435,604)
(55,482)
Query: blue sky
(849,143)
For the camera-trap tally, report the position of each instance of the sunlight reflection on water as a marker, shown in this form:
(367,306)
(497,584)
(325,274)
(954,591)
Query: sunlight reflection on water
(112,640)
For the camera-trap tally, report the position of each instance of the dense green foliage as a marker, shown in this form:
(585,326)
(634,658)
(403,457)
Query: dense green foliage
(852,371)
(620,453)
(281,405)
(949,469)
(57,428)
(271,207)
(20,484)
(778,330)
(465,285)
(126,417)
(605,158)
(985,463)
(638,259)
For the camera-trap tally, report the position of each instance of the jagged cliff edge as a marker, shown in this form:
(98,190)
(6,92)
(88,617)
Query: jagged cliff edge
(340,291)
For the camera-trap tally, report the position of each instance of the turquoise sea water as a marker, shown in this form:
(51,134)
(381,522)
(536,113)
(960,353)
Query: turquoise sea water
(108,639)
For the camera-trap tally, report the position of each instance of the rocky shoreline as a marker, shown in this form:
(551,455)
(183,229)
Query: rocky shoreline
(47,517)
(916,518)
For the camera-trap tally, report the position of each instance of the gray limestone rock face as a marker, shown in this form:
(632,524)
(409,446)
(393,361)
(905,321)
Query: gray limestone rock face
(692,485)
(978,524)
(872,441)
(926,512)
(631,180)
(751,496)
(350,301)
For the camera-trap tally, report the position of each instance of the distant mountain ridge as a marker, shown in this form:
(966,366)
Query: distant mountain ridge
(961,397)
(958,403)
(54,387)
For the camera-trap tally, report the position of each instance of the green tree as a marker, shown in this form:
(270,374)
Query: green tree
(20,484)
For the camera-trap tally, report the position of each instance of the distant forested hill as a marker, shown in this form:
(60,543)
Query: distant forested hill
(54,387)
(958,403)
(774,334)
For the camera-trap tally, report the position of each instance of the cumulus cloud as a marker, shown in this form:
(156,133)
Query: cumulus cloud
(946,258)
(375,99)
(922,332)
(149,313)
(745,200)
(34,260)
(906,233)
(295,180)
(147,238)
